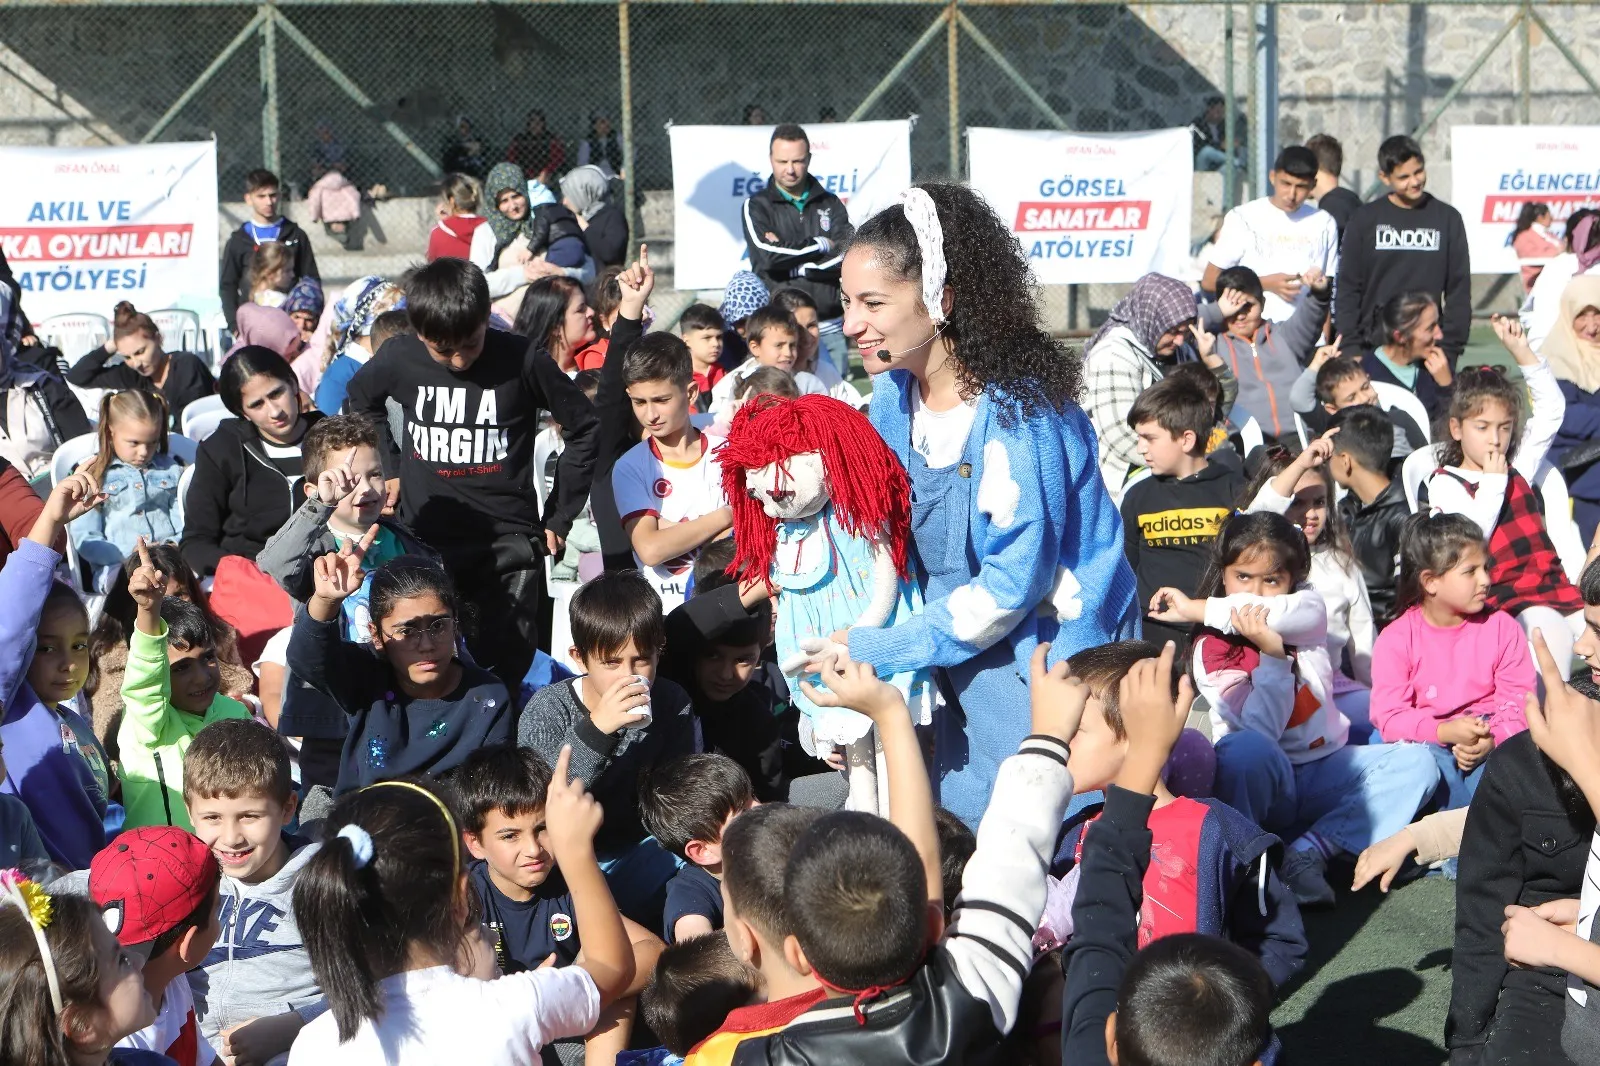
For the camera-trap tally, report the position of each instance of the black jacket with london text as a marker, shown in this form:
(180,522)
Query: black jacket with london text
(236,499)
(1389,250)
(234,283)
(964,996)
(1168,525)
(466,465)
(799,248)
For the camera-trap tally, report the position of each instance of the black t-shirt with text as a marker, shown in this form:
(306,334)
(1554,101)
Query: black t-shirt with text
(466,458)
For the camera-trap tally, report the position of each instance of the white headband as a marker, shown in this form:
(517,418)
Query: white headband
(34,904)
(924,219)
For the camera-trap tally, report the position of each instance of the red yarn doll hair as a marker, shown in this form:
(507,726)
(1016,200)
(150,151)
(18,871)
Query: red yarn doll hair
(870,491)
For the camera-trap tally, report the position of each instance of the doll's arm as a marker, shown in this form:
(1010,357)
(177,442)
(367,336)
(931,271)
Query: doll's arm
(885,588)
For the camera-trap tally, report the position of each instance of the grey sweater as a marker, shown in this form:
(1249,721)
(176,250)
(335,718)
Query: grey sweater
(258,967)
(609,764)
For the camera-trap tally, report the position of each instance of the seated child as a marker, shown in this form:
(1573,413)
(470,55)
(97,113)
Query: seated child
(701,329)
(1273,353)
(743,296)
(54,764)
(1261,662)
(255,989)
(98,990)
(108,646)
(668,487)
(755,853)
(717,651)
(774,340)
(917,997)
(1220,388)
(804,309)
(1374,506)
(500,793)
(1485,470)
(353,339)
(344,488)
(1330,385)
(1302,490)
(1182,999)
(697,983)
(1449,673)
(584,536)
(686,804)
(556,235)
(1206,848)
(272,273)
(618,718)
(396,849)
(956,845)
(1170,518)
(763,381)
(415,707)
(138,476)
(169,693)
(605,297)
(157,890)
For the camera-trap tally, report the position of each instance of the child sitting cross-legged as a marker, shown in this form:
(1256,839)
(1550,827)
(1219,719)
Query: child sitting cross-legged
(1261,662)
(415,707)
(1212,871)
(863,895)
(500,792)
(255,989)
(1182,999)
(686,804)
(1449,673)
(169,694)
(620,720)
(386,909)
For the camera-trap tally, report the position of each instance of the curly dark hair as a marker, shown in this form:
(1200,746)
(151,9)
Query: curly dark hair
(993,328)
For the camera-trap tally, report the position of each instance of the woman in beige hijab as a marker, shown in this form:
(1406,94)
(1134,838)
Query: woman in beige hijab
(1573,351)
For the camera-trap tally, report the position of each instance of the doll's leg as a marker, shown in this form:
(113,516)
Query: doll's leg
(864,775)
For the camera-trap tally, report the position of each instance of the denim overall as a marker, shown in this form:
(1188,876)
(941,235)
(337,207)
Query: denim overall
(986,712)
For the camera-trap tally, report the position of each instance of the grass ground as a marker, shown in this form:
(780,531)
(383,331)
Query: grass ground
(1376,986)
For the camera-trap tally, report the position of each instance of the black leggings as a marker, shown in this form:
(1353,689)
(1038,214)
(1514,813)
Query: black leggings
(501,589)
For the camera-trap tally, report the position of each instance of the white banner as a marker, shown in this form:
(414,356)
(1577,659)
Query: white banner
(714,168)
(1090,207)
(1496,169)
(85,227)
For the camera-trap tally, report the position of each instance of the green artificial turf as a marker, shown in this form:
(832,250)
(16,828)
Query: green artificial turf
(1376,985)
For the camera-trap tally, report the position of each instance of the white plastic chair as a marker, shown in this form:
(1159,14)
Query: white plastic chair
(1564,533)
(74,334)
(1251,437)
(217,338)
(184,478)
(1416,467)
(66,459)
(201,418)
(180,329)
(1303,431)
(1391,395)
(89,400)
(548,442)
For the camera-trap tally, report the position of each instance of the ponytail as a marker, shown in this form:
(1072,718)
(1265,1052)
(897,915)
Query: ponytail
(129,403)
(30,1030)
(386,883)
(1431,544)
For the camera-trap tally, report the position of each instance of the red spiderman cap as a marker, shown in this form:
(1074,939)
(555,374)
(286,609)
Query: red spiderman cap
(148,880)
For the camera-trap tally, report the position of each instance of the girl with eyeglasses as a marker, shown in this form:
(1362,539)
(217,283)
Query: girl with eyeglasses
(415,707)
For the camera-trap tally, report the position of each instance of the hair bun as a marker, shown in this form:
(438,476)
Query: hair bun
(124,311)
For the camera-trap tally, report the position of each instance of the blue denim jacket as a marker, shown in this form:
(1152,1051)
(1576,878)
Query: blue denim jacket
(142,502)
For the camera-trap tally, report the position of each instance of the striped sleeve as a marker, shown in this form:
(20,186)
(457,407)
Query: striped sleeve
(1002,892)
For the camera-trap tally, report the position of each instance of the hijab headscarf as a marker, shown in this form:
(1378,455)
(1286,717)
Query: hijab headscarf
(587,188)
(1588,255)
(744,296)
(267,327)
(1570,356)
(1154,305)
(305,296)
(503,176)
(357,308)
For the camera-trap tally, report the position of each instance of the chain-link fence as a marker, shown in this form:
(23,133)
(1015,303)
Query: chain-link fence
(402,91)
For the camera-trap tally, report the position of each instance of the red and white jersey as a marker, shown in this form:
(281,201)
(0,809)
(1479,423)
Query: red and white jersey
(175,1033)
(645,484)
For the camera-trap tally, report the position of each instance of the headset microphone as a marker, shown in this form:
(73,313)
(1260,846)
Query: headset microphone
(886,356)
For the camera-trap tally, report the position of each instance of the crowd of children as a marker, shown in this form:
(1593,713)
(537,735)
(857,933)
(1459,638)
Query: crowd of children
(345,802)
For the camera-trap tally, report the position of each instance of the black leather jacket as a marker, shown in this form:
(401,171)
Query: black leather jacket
(1375,537)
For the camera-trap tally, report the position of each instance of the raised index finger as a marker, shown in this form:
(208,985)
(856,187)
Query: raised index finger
(644,258)
(144,553)
(1553,681)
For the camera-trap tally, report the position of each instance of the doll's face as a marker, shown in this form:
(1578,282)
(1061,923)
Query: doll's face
(799,493)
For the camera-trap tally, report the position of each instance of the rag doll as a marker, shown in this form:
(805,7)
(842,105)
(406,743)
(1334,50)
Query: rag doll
(821,515)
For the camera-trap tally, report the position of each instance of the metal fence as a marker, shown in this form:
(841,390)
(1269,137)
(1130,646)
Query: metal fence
(390,82)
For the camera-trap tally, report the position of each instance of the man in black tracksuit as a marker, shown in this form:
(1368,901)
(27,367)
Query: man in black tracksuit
(795,228)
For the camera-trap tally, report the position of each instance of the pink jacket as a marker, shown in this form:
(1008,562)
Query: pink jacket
(1423,675)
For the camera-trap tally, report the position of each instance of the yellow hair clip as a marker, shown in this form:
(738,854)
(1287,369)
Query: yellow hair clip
(40,907)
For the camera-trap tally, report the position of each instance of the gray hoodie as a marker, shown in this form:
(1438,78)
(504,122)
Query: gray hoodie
(258,967)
